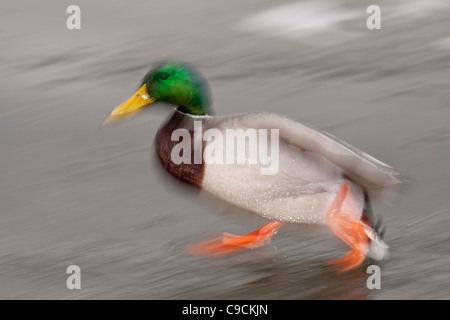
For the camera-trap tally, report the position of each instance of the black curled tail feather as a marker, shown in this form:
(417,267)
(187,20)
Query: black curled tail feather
(375,222)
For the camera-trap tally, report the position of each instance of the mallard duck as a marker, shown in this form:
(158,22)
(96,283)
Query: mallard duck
(319,179)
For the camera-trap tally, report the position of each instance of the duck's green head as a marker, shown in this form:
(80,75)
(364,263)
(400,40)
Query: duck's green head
(171,82)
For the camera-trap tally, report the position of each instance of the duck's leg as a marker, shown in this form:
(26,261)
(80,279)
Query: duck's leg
(351,231)
(227,243)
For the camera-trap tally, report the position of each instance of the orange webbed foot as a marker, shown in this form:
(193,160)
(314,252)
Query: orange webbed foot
(227,243)
(352,232)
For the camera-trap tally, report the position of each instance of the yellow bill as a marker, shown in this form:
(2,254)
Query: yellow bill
(138,100)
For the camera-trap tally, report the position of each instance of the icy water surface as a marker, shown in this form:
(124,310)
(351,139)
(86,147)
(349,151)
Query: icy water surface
(73,193)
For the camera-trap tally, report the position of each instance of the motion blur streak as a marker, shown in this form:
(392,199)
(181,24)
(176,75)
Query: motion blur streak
(72,193)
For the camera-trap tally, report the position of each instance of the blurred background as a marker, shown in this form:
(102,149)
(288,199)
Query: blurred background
(74,193)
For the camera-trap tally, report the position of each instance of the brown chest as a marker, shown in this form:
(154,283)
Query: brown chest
(189,172)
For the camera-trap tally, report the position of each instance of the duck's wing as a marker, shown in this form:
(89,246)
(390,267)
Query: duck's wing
(356,165)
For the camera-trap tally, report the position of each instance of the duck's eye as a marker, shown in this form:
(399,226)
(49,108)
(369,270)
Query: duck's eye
(163,76)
